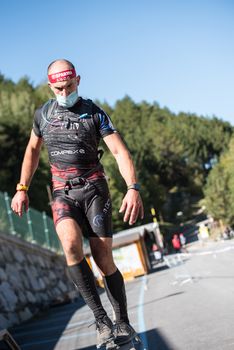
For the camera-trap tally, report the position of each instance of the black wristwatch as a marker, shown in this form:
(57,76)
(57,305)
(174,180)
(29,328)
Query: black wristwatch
(135,187)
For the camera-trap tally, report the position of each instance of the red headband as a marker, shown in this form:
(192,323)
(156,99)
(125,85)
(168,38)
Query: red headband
(61,76)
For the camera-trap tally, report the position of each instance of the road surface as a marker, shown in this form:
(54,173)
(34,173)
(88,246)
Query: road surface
(186,303)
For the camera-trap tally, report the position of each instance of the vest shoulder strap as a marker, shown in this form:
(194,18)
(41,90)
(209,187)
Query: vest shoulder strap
(48,109)
(89,105)
(46,113)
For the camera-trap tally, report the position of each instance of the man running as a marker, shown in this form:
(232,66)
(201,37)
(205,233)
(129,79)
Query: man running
(71,128)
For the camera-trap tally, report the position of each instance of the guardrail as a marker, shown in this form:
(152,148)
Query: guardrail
(34,226)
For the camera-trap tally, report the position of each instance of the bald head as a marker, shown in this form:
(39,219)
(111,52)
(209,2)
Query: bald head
(63,81)
(61,70)
(59,65)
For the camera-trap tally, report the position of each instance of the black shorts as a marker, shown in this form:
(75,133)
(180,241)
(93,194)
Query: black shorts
(88,204)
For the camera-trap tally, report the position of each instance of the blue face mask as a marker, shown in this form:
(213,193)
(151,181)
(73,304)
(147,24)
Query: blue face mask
(67,101)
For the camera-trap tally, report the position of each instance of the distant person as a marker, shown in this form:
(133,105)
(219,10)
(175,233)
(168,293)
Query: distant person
(176,243)
(227,234)
(157,252)
(71,128)
(183,242)
(203,233)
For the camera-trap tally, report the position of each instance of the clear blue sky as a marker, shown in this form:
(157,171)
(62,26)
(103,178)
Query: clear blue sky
(179,53)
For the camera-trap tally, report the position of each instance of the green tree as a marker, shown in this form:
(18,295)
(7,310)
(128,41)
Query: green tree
(173,154)
(219,190)
(18,102)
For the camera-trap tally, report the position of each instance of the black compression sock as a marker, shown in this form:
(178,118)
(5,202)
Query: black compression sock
(114,285)
(83,278)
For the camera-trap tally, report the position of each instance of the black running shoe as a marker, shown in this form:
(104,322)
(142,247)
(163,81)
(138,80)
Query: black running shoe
(124,333)
(104,331)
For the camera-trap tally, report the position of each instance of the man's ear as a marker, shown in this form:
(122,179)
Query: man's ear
(50,87)
(78,79)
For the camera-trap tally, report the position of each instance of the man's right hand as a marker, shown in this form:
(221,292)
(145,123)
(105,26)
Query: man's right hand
(20,203)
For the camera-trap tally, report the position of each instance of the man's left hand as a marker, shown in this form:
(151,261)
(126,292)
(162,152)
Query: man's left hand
(132,207)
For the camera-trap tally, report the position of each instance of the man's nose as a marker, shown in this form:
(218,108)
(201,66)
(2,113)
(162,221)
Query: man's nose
(65,93)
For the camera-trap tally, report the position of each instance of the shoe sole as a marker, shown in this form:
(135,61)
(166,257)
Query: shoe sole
(108,345)
(134,336)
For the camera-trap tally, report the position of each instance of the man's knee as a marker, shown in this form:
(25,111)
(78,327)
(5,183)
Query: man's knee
(72,252)
(106,266)
(71,248)
(71,240)
(101,249)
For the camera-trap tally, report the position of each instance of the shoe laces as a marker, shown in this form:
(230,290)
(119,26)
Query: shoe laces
(124,328)
(101,324)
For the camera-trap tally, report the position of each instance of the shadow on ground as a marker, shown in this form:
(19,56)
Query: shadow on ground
(44,331)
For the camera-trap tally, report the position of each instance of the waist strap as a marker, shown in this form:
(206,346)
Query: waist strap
(79,180)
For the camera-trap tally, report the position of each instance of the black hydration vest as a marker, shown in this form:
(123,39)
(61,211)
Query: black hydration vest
(71,135)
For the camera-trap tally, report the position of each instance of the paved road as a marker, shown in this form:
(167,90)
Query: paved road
(186,303)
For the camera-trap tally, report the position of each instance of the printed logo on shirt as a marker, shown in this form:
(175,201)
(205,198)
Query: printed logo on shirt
(59,153)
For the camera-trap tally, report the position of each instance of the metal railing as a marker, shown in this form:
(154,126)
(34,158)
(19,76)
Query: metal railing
(34,226)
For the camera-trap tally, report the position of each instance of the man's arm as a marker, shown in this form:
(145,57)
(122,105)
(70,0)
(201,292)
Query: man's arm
(29,166)
(132,203)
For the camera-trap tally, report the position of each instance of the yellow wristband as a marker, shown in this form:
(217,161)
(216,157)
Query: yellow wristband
(21,187)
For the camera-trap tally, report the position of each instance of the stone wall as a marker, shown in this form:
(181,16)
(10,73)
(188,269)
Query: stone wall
(31,278)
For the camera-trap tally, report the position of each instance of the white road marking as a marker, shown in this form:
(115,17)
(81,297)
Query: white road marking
(141,319)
